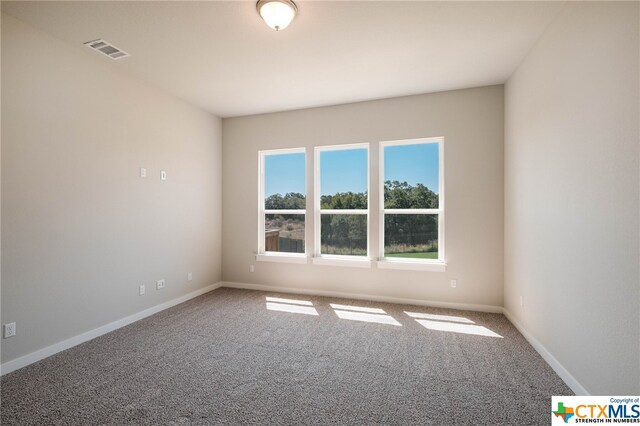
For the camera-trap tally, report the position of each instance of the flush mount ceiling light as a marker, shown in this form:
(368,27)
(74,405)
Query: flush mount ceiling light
(278,14)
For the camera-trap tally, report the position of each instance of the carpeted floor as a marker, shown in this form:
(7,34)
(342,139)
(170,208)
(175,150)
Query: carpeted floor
(235,357)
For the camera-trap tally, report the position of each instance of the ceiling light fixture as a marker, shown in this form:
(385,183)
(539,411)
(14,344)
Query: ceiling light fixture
(278,14)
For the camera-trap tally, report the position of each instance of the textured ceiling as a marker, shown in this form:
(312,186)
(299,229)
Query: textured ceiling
(223,58)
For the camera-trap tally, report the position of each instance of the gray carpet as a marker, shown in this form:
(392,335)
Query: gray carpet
(224,358)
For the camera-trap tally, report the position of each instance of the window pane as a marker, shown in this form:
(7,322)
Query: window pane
(411,176)
(284,186)
(284,233)
(412,236)
(344,234)
(343,179)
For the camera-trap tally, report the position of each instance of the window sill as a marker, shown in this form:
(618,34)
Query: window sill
(342,261)
(282,258)
(348,261)
(435,266)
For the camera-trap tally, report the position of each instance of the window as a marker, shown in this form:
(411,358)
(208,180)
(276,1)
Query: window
(342,202)
(412,201)
(282,203)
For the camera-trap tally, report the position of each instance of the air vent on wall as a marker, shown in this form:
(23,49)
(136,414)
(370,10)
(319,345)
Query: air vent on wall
(107,49)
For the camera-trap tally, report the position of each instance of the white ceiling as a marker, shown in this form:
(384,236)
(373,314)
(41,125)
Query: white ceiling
(223,58)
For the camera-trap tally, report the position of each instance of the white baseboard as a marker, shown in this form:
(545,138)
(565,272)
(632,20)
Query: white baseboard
(370,297)
(25,360)
(560,370)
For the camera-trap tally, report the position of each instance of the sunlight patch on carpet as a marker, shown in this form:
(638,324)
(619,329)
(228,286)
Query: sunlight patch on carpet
(357,308)
(439,317)
(290,301)
(292,306)
(366,317)
(457,328)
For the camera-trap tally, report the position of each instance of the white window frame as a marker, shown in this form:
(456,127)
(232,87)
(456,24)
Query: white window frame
(334,259)
(262,254)
(407,263)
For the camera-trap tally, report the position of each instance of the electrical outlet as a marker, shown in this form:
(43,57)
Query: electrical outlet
(9,330)
(189,276)
(142,290)
(252,268)
(143,172)
(522,301)
(454,283)
(160,284)
(163,175)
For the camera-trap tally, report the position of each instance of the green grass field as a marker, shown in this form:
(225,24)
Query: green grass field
(421,255)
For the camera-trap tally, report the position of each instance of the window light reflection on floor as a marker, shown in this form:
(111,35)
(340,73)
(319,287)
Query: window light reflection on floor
(290,301)
(357,308)
(457,328)
(361,316)
(439,317)
(291,305)
(364,314)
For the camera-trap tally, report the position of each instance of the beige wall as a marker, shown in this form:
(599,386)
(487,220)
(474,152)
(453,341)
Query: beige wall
(471,122)
(572,195)
(80,229)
